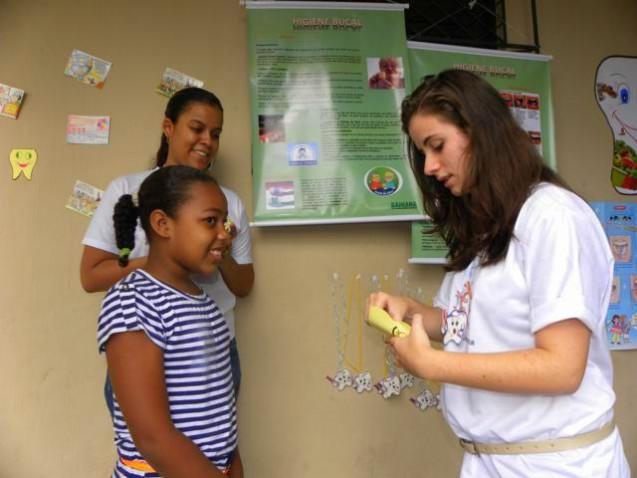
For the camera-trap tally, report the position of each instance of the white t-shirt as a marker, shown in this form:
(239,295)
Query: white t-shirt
(558,266)
(101,235)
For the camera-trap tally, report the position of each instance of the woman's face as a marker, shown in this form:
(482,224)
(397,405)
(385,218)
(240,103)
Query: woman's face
(193,140)
(445,147)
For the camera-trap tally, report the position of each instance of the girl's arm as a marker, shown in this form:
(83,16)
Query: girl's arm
(556,364)
(236,467)
(401,308)
(238,277)
(136,369)
(99,269)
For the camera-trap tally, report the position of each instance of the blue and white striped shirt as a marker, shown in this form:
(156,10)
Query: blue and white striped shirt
(195,340)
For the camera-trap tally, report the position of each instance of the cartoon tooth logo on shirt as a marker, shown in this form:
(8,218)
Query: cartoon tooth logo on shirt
(615,86)
(23,161)
(454,322)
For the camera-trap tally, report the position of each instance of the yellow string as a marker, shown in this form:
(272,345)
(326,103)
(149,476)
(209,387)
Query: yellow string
(354,302)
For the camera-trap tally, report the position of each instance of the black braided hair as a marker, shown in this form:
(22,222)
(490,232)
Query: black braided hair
(177,104)
(165,189)
(125,220)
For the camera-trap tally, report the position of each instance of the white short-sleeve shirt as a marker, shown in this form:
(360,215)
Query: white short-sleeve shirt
(558,266)
(101,235)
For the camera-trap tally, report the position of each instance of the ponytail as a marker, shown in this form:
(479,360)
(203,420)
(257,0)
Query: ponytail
(125,220)
(162,152)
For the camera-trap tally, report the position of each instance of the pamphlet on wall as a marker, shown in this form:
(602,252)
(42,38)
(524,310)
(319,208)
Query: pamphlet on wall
(87,129)
(84,199)
(173,81)
(87,68)
(620,223)
(10,101)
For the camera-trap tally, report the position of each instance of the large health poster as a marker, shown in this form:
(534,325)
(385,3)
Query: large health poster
(327,80)
(524,82)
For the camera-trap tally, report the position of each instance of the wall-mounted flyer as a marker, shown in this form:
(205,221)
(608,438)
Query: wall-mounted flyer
(10,101)
(87,129)
(87,68)
(327,80)
(620,223)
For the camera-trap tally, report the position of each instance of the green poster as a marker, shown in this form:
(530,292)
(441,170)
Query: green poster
(327,80)
(426,248)
(523,81)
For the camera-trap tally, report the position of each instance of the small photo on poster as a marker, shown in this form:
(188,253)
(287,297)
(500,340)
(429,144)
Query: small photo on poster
(279,195)
(303,154)
(508,98)
(519,101)
(535,137)
(532,102)
(622,248)
(271,129)
(385,73)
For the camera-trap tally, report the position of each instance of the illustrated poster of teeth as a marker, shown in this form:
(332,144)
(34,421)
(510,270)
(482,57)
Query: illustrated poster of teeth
(84,199)
(173,81)
(87,129)
(87,68)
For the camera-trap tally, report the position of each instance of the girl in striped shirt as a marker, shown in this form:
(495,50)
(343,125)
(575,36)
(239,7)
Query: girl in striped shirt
(166,342)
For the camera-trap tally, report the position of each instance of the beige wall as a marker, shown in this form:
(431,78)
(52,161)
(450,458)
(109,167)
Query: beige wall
(292,423)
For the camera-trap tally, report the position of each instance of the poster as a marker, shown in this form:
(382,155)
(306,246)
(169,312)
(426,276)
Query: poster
(620,223)
(87,129)
(616,78)
(84,199)
(327,80)
(87,68)
(426,248)
(10,101)
(173,81)
(524,83)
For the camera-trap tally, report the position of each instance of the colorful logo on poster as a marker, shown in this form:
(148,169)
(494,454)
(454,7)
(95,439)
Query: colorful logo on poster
(383,181)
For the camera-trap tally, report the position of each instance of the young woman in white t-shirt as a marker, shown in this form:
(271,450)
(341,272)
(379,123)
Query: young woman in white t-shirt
(526,369)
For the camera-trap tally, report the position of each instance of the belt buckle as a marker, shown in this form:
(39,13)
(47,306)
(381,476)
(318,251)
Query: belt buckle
(469,446)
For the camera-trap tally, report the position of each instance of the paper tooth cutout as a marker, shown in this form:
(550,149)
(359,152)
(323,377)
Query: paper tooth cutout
(426,399)
(342,379)
(363,382)
(23,161)
(406,380)
(389,386)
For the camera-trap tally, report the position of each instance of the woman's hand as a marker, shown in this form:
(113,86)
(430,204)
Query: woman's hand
(396,306)
(404,308)
(412,352)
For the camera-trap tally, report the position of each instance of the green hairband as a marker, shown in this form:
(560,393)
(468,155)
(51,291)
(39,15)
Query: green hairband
(124,252)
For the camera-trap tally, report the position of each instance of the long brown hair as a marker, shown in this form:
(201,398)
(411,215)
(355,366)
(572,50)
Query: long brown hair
(503,167)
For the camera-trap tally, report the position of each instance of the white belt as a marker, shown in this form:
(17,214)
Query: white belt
(545,446)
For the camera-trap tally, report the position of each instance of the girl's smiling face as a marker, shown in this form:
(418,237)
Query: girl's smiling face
(445,148)
(199,239)
(193,140)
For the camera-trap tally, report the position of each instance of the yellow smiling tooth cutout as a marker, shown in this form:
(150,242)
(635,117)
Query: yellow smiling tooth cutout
(23,161)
